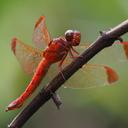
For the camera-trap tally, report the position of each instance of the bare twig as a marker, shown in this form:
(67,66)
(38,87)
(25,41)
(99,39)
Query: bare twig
(106,39)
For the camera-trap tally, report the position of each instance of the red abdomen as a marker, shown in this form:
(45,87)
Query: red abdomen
(34,83)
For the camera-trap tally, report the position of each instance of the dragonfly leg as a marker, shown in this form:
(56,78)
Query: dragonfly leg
(56,99)
(74,51)
(72,55)
(60,65)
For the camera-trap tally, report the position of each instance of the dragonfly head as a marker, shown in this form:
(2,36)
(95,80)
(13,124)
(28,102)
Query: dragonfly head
(73,36)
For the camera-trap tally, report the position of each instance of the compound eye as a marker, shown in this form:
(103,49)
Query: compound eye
(76,38)
(69,35)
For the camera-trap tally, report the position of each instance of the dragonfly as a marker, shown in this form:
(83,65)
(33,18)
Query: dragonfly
(37,61)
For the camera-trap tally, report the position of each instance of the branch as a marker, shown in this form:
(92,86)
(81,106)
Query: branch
(106,39)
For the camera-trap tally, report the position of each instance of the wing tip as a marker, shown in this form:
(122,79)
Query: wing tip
(13,44)
(38,21)
(125,47)
(112,76)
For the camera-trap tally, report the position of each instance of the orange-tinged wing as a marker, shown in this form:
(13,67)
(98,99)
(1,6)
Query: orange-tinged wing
(27,56)
(118,52)
(98,75)
(41,35)
(92,76)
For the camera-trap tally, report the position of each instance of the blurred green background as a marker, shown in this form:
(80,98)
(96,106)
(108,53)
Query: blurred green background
(104,107)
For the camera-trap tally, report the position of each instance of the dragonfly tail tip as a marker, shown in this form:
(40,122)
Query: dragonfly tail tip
(13,44)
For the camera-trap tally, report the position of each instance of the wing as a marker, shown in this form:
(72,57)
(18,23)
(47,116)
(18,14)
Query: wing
(92,76)
(27,56)
(118,53)
(98,75)
(41,35)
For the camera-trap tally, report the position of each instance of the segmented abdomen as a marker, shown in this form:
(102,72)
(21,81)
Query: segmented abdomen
(39,74)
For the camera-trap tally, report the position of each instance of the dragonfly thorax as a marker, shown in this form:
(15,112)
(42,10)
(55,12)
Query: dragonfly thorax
(73,37)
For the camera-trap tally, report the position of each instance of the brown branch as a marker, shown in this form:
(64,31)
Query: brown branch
(106,39)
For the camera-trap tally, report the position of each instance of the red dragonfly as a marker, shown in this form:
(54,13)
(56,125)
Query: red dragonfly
(34,60)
